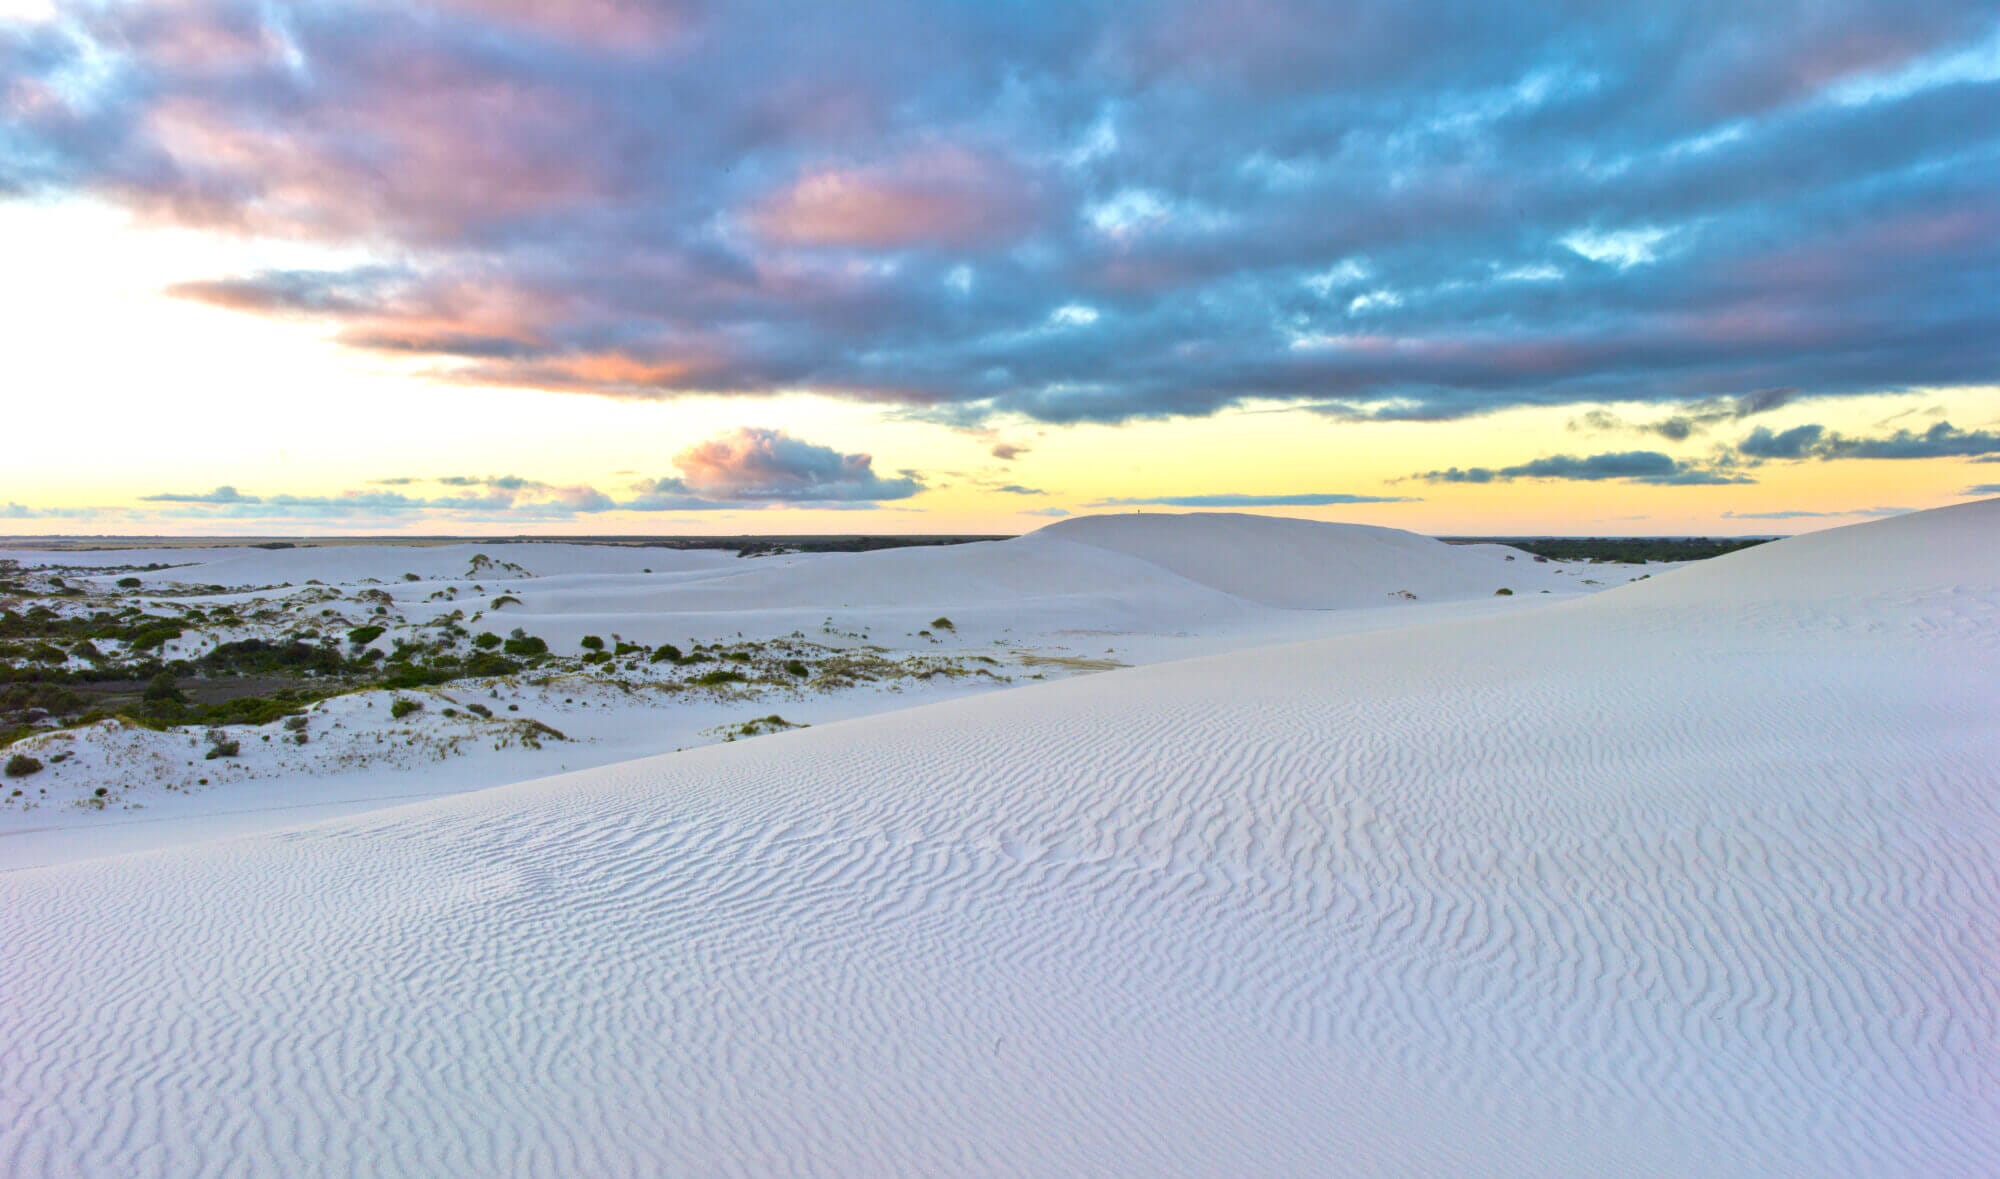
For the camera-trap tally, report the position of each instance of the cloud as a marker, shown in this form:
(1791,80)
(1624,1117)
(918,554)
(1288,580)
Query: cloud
(14,511)
(1231,500)
(1796,442)
(1013,489)
(744,469)
(1982,489)
(1696,417)
(885,201)
(221,495)
(1872,513)
(1051,512)
(940,195)
(771,466)
(1631,466)
(1008,451)
(1940,440)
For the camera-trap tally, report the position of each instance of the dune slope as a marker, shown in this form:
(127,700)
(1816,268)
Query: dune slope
(1638,884)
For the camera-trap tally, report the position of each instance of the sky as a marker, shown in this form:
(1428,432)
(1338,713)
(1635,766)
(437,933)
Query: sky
(621,266)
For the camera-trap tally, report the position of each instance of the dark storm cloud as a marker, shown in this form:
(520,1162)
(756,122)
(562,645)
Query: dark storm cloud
(1072,211)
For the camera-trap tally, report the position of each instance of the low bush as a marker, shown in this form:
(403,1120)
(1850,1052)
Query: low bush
(361,636)
(21,765)
(798,669)
(506,600)
(486,663)
(527,645)
(1503,592)
(400,708)
(129,583)
(592,643)
(710,679)
(942,623)
(666,653)
(487,640)
(223,749)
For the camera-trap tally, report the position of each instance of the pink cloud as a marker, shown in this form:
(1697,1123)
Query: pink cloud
(945,195)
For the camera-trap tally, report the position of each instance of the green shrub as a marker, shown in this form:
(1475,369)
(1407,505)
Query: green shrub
(942,623)
(223,749)
(487,640)
(666,653)
(480,710)
(738,656)
(527,645)
(163,689)
(486,663)
(506,600)
(592,643)
(1503,592)
(414,675)
(129,583)
(598,657)
(400,708)
(710,679)
(21,765)
(411,577)
(361,636)
(628,648)
(798,669)
(153,636)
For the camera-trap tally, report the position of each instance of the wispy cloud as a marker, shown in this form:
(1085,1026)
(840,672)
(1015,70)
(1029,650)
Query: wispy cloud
(1233,500)
(1631,466)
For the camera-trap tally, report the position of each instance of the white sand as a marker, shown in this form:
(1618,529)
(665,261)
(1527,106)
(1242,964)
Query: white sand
(1696,876)
(1119,590)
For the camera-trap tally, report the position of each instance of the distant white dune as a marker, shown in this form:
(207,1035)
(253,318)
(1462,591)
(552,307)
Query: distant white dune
(1693,877)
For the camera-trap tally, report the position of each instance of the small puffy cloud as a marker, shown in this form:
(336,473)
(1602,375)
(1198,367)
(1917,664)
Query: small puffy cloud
(1982,489)
(752,465)
(1050,512)
(1796,442)
(1008,451)
(1234,500)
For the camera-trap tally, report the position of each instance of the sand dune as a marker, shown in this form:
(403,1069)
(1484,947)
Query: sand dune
(1670,880)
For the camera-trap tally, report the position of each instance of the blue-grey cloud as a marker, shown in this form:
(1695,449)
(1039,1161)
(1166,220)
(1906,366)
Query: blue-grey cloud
(221,495)
(1940,440)
(1796,442)
(1875,513)
(1397,209)
(1632,466)
(1231,500)
(1982,489)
